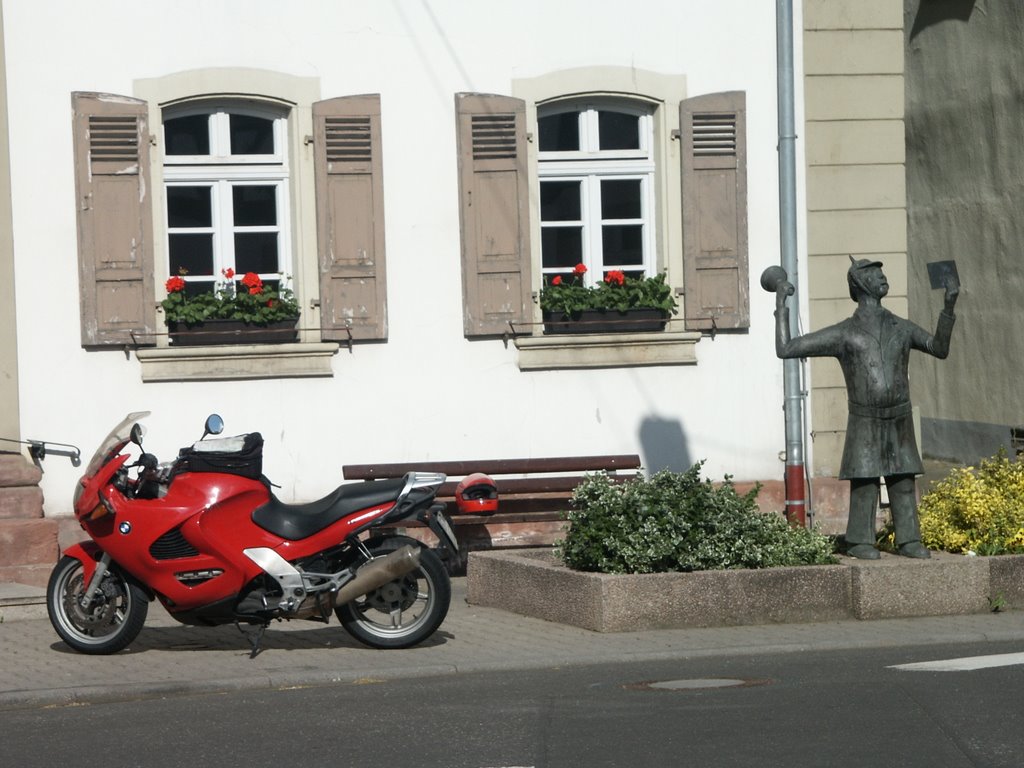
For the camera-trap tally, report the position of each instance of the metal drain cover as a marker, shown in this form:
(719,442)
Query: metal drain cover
(697,684)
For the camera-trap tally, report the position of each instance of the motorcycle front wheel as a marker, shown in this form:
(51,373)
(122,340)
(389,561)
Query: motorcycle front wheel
(403,612)
(109,623)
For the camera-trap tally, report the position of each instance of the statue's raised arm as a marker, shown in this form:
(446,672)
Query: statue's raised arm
(823,343)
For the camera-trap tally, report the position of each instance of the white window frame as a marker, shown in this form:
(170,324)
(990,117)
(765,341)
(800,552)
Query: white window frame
(590,165)
(290,96)
(660,93)
(221,172)
(220,134)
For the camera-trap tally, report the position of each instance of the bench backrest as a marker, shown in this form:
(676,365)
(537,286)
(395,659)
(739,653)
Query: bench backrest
(536,484)
(495,466)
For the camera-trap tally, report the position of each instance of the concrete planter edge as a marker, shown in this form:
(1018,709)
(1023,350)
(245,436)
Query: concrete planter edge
(531,582)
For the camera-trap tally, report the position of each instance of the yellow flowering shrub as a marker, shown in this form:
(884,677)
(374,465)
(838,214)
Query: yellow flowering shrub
(978,510)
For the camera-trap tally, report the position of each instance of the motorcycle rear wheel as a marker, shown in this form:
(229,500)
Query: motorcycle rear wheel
(403,612)
(110,623)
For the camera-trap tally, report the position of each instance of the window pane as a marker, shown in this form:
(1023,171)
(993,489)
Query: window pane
(561,246)
(560,201)
(256,252)
(187,135)
(617,130)
(195,287)
(620,199)
(623,245)
(559,133)
(251,135)
(188,207)
(254,206)
(191,253)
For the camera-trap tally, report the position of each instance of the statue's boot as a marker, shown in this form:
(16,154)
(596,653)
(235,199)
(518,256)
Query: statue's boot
(915,549)
(863,552)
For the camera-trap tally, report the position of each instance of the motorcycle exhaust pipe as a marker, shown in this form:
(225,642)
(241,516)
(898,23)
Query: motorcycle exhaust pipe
(379,572)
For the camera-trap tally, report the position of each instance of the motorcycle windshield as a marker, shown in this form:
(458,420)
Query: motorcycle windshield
(114,442)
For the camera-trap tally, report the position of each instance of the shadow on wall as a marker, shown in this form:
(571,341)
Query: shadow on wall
(663,445)
(931,12)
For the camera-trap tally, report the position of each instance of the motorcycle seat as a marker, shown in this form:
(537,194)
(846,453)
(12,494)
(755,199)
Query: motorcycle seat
(299,521)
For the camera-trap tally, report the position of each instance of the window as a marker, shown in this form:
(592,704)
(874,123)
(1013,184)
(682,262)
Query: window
(226,190)
(287,186)
(610,167)
(596,172)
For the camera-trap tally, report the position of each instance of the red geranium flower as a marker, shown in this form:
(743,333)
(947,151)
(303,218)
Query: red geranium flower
(579,269)
(615,276)
(556,280)
(175,284)
(252,282)
(229,273)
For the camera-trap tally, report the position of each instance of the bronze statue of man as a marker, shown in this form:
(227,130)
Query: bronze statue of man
(873,348)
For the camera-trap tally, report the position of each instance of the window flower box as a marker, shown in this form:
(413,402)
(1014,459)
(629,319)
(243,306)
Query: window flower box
(216,331)
(242,312)
(606,321)
(618,304)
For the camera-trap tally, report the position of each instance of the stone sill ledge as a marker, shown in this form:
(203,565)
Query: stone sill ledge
(236,361)
(606,350)
(532,583)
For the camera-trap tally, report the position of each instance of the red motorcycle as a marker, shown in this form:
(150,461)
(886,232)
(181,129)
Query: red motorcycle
(206,536)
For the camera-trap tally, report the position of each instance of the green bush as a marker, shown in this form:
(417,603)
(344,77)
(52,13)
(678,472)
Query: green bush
(977,510)
(677,522)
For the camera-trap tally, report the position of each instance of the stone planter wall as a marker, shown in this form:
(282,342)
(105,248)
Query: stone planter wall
(532,583)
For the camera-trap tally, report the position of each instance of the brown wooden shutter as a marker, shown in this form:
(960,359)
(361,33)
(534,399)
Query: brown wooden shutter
(115,219)
(714,182)
(494,212)
(350,217)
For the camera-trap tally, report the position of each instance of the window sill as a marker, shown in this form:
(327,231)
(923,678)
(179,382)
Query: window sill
(606,350)
(236,361)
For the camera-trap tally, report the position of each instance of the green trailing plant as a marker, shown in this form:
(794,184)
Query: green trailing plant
(567,296)
(975,510)
(997,604)
(248,300)
(677,522)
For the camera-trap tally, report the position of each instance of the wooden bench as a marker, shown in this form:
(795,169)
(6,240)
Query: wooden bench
(533,494)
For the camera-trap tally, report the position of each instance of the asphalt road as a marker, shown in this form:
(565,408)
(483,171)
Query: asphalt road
(840,708)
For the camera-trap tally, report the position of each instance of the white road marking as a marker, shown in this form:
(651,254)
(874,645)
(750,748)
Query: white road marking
(965,664)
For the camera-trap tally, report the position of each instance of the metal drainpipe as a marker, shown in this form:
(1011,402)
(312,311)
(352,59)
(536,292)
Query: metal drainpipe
(796,503)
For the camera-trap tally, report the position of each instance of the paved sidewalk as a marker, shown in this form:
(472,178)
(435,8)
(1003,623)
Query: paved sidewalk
(37,669)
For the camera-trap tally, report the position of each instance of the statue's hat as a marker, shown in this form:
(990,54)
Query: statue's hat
(856,264)
(853,274)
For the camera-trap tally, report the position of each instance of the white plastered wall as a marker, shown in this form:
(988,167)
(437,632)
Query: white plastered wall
(427,393)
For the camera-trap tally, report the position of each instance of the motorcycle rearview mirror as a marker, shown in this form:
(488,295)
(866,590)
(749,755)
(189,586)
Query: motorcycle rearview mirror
(137,433)
(214,425)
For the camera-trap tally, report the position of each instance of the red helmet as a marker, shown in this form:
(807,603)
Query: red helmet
(476,493)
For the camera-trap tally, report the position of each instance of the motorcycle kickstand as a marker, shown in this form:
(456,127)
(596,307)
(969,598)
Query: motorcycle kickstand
(255,638)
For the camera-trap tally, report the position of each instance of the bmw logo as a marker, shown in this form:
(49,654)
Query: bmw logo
(125,528)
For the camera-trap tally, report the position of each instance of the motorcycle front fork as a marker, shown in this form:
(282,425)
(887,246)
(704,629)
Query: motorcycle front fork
(94,583)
